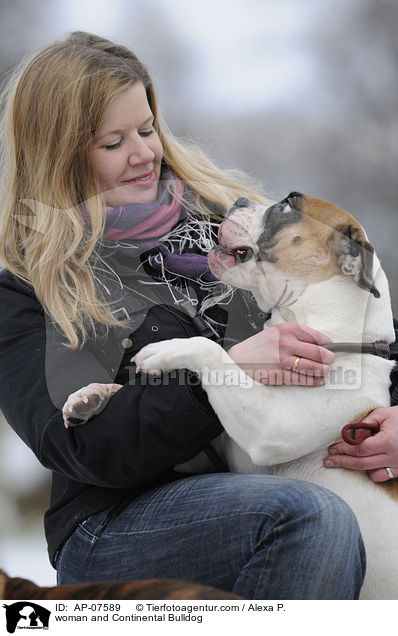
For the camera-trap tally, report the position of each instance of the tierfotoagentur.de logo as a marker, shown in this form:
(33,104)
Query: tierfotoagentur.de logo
(26,615)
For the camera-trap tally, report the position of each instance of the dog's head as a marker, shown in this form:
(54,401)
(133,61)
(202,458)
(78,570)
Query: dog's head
(301,239)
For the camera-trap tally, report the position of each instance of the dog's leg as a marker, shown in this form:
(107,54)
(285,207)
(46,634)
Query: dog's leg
(243,406)
(84,403)
(264,421)
(197,354)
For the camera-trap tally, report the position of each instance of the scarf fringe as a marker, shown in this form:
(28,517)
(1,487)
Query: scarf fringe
(194,231)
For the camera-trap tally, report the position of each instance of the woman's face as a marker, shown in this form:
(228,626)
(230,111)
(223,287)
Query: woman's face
(127,152)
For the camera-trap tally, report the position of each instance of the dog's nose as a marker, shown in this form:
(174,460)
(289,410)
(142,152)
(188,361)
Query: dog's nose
(242,202)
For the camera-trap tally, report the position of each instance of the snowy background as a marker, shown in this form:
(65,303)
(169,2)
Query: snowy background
(303,94)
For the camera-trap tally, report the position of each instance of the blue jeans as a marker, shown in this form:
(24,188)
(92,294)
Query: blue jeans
(259,536)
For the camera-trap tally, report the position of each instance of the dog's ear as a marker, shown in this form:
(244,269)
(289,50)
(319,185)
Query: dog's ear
(355,256)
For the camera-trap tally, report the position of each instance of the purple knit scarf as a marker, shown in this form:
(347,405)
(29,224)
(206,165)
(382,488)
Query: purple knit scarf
(146,221)
(146,224)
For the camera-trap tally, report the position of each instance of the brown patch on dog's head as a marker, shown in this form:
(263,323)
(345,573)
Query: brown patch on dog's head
(321,241)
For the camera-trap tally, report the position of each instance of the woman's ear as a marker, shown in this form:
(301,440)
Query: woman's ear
(354,256)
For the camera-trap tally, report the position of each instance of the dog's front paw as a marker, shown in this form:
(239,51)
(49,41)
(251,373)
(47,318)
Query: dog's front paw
(179,353)
(84,403)
(159,357)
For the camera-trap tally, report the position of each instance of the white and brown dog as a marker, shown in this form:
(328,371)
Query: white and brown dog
(316,255)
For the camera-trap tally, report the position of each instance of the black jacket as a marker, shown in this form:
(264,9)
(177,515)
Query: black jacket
(145,429)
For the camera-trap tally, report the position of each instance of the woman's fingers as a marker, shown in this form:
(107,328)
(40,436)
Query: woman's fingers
(307,367)
(306,334)
(374,454)
(285,354)
(375,465)
(298,345)
(381,474)
(369,462)
(314,352)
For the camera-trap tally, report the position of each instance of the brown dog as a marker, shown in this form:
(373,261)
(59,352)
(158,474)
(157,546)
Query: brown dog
(22,589)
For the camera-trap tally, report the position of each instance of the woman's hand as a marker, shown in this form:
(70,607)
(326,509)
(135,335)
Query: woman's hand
(375,453)
(285,354)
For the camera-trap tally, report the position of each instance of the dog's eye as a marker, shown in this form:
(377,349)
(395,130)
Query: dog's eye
(297,240)
(243,254)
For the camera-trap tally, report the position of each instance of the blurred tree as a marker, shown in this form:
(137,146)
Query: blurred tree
(358,56)
(158,40)
(22,27)
(334,135)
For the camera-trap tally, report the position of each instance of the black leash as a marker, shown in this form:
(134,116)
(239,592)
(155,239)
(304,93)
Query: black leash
(381,349)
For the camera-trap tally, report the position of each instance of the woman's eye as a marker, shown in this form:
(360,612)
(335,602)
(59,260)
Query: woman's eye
(113,146)
(146,133)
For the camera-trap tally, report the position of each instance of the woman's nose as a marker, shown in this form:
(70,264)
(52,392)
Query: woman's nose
(140,152)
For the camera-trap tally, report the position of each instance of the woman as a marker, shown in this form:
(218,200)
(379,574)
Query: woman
(105,223)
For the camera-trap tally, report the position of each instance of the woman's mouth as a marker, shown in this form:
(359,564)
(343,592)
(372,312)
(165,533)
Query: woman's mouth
(142,179)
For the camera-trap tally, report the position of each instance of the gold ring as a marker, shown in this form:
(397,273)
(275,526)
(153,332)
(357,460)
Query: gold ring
(296,363)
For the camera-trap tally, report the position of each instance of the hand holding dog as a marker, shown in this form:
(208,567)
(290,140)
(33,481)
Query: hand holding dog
(269,356)
(374,453)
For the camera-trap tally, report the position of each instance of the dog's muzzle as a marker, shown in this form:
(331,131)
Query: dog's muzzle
(241,253)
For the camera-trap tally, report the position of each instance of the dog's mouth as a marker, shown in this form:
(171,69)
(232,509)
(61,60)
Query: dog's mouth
(241,254)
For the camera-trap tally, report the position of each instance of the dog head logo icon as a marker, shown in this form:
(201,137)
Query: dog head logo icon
(26,615)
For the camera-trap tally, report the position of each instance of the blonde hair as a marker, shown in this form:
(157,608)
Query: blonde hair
(54,105)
